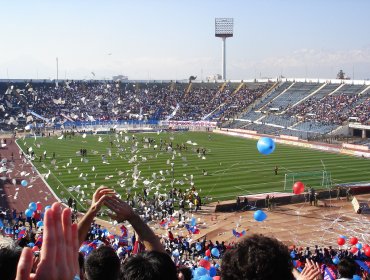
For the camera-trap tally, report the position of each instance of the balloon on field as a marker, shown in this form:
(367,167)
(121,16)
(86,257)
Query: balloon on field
(28,213)
(353,241)
(367,251)
(359,246)
(259,216)
(266,145)
(341,241)
(24,183)
(215,252)
(205,264)
(198,247)
(212,271)
(298,187)
(176,253)
(35,249)
(336,260)
(32,206)
(205,277)
(40,224)
(200,271)
(353,250)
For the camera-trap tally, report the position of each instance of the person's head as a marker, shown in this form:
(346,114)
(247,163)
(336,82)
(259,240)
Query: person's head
(9,257)
(257,257)
(347,268)
(149,266)
(184,273)
(102,263)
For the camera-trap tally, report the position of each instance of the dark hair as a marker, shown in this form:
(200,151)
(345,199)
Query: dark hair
(186,271)
(9,258)
(259,258)
(347,268)
(102,263)
(149,266)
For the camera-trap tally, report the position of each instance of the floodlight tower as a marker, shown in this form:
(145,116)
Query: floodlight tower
(224,29)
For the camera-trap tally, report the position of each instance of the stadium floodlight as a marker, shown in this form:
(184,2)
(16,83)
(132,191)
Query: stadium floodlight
(224,28)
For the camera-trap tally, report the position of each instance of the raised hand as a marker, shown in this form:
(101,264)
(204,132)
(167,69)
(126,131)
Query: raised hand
(122,211)
(98,197)
(59,254)
(311,271)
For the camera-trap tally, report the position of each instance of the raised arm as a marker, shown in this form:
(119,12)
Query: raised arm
(97,201)
(59,253)
(124,212)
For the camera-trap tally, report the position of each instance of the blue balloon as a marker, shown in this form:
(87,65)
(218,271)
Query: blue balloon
(356,277)
(176,253)
(193,222)
(28,213)
(336,260)
(212,271)
(47,207)
(198,247)
(343,236)
(217,265)
(206,258)
(32,206)
(31,244)
(40,224)
(292,254)
(359,246)
(259,216)
(24,183)
(215,252)
(265,145)
(205,277)
(200,271)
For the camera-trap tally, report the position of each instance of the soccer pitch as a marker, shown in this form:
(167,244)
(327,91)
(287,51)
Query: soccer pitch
(233,164)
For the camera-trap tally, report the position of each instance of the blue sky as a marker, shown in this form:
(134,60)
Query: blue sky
(162,39)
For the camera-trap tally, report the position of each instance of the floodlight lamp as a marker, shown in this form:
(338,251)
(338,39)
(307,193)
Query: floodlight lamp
(224,27)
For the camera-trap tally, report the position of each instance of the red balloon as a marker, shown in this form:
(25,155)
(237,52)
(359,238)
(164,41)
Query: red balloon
(367,251)
(353,241)
(208,253)
(353,250)
(205,264)
(35,249)
(341,241)
(298,188)
(39,206)
(217,277)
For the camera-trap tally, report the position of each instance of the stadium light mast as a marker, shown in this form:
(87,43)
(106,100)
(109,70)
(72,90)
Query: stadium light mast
(224,29)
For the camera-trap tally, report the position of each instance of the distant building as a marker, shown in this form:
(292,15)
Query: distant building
(214,77)
(120,78)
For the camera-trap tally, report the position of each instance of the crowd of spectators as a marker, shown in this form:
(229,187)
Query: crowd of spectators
(90,101)
(61,249)
(332,109)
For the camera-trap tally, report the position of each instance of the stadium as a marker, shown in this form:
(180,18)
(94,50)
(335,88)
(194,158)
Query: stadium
(179,168)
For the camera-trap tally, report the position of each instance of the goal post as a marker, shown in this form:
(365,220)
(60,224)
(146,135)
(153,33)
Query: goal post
(317,179)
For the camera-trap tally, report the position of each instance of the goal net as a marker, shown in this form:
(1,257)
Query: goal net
(316,179)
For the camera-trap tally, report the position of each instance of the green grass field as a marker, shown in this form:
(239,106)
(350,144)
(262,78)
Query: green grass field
(233,164)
